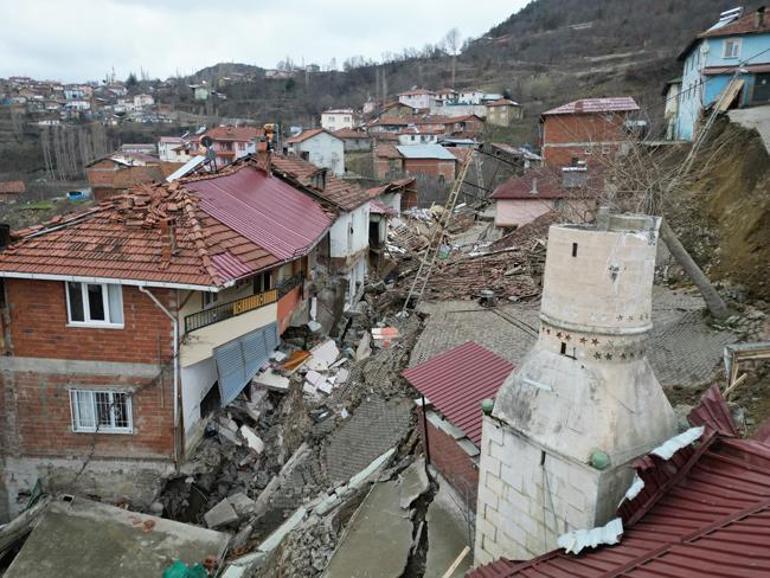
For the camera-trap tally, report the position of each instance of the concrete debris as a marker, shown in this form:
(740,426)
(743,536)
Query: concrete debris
(314,326)
(448,535)
(272,381)
(252,439)
(575,542)
(341,377)
(221,515)
(379,521)
(676,443)
(323,355)
(242,504)
(364,349)
(414,483)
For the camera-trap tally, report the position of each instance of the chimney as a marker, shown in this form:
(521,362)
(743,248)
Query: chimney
(759,17)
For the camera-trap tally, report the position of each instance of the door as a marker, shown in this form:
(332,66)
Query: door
(761,88)
(239,360)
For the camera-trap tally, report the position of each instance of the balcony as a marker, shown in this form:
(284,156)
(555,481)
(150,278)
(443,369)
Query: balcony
(228,310)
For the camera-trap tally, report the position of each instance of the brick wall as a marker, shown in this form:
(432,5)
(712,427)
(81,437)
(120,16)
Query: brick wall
(451,460)
(582,130)
(38,326)
(44,424)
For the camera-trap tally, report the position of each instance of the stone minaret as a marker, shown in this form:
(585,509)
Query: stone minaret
(566,425)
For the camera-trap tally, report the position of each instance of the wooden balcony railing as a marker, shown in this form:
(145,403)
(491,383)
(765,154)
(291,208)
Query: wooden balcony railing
(228,310)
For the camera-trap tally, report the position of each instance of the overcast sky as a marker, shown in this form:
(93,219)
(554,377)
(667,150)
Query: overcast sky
(73,40)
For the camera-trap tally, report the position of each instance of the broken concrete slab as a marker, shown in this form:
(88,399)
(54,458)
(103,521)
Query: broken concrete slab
(377,540)
(272,381)
(414,483)
(364,349)
(342,376)
(221,515)
(323,355)
(252,439)
(242,504)
(325,387)
(274,540)
(448,535)
(79,537)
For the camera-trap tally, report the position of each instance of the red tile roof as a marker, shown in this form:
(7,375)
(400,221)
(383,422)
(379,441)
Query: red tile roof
(218,236)
(12,187)
(456,382)
(350,133)
(235,133)
(537,183)
(744,25)
(704,512)
(387,151)
(596,105)
(342,194)
(503,102)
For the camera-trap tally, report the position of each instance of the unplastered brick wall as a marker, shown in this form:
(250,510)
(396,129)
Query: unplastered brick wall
(38,326)
(454,463)
(526,499)
(39,405)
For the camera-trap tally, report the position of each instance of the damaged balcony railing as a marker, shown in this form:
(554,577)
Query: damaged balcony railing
(227,310)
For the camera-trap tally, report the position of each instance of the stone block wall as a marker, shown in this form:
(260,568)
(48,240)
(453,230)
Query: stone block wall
(527,498)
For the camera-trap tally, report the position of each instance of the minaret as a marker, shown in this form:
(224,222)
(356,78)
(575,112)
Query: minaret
(584,403)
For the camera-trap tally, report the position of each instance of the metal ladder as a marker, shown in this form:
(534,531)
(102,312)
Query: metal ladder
(437,236)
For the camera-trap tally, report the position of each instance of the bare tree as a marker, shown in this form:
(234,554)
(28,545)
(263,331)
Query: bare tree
(452,43)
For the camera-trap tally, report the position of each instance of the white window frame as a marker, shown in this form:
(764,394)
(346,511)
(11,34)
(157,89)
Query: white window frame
(736,44)
(87,322)
(77,427)
(209,299)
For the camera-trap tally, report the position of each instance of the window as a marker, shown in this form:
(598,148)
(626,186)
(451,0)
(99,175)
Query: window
(97,304)
(101,411)
(263,282)
(731,48)
(209,299)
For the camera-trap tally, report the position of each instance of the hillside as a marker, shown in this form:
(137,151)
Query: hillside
(550,52)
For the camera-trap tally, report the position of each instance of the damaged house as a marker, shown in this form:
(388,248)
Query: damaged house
(126,323)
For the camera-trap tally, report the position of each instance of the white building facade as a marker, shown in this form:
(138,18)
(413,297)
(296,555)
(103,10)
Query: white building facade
(338,118)
(321,148)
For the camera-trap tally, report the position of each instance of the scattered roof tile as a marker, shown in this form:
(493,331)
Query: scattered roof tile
(12,187)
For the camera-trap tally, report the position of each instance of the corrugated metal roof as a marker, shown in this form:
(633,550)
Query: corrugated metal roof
(425,151)
(704,512)
(596,105)
(264,209)
(456,382)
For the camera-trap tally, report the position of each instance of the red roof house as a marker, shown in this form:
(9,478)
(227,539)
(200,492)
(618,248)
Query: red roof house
(453,384)
(586,129)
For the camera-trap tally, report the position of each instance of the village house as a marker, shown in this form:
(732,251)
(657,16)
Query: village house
(419,98)
(233,142)
(118,172)
(587,128)
(354,140)
(452,386)
(503,112)
(348,240)
(398,109)
(336,119)
(429,160)
(176,149)
(522,199)
(126,324)
(320,147)
(143,101)
(420,134)
(728,63)
(11,191)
